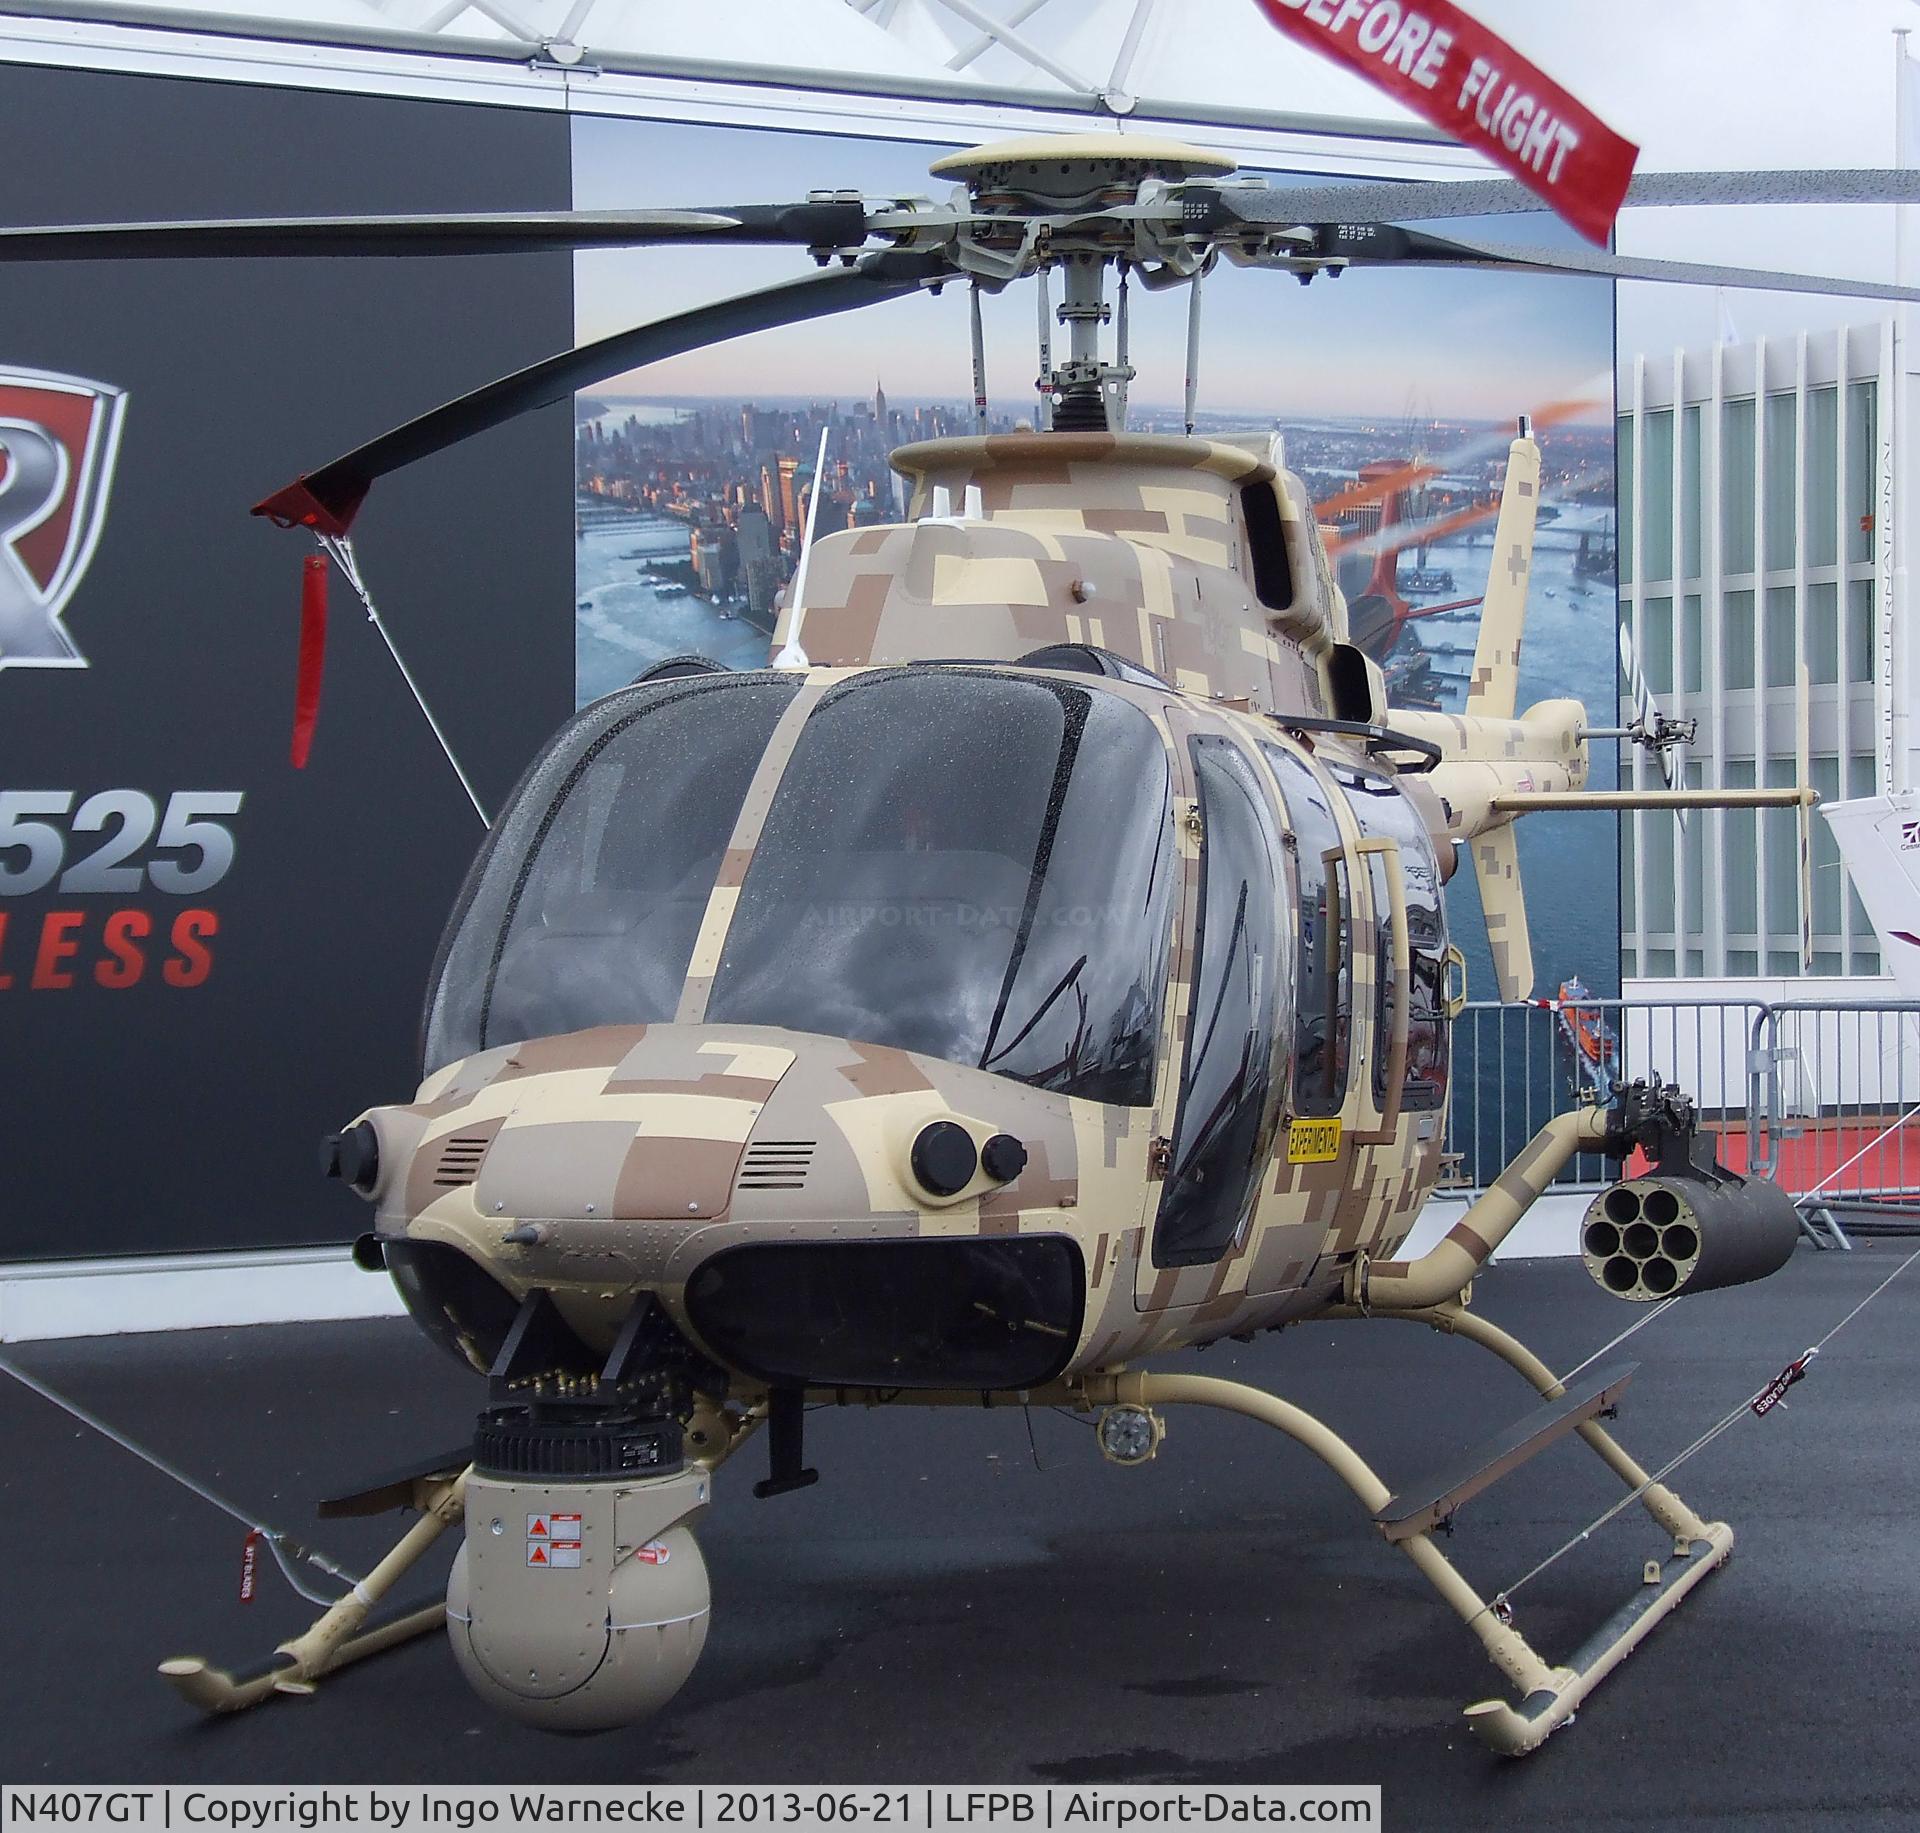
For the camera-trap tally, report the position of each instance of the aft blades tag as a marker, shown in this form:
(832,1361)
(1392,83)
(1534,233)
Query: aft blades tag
(249,1565)
(1775,1391)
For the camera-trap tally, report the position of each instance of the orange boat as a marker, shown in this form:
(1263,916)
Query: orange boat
(1595,1047)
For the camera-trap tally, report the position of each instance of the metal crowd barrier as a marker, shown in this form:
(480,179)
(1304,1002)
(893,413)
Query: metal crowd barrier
(1837,1111)
(1820,1096)
(1515,1066)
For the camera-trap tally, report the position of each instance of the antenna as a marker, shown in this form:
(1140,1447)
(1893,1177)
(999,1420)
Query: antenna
(979,362)
(1193,345)
(1045,382)
(791,654)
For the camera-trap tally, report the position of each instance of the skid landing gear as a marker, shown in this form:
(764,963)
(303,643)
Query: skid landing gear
(338,1637)
(1549,1695)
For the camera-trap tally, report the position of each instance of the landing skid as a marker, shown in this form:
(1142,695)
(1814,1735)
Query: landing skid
(1549,1695)
(338,1637)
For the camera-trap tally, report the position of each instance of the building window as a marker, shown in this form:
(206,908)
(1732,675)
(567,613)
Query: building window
(1692,494)
(1736,641)
(1780,829)
(1863,468)
(1656,644)
(1781,462)
(1623,448)
(1778,645)
(1656,495)
(1860,630)
(1823,475)
(1823,634)
(1736,486)
(1740,897)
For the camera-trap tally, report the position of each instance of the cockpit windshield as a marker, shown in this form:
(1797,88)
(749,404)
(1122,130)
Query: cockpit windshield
(584,907)
(972,865)
(975,866)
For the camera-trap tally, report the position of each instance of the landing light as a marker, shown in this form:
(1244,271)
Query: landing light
(1130,1435)
(945,1158)
(353,1156)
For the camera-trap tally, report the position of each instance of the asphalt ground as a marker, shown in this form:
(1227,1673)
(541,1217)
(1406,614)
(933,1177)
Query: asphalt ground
(954,1603)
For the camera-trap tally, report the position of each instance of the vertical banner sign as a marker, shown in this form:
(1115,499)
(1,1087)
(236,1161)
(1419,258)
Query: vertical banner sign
(208,960)
(1450,70)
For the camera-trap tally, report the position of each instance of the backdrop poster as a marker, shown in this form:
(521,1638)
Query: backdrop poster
(207,959)
(692,475)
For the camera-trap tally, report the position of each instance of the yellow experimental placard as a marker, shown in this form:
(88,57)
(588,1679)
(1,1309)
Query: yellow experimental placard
(1312,1142)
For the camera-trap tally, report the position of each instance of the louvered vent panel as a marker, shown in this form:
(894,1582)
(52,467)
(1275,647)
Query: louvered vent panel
(777,1164)
(460,1161)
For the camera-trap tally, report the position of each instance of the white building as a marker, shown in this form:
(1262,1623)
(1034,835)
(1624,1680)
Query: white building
(1756,543)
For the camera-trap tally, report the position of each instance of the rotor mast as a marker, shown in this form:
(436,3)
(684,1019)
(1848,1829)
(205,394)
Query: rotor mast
(1081,204)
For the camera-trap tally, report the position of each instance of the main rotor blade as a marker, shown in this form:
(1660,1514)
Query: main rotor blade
(1386,246)
(328,499)
(1423,201)
(827,224)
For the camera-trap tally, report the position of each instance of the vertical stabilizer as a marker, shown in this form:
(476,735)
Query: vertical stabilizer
(1496,657)
(1496,867)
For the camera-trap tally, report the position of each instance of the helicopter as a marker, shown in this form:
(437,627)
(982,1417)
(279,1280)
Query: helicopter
(1040,966)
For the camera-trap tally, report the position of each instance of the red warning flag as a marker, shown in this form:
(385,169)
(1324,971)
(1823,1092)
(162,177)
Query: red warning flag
(313,656)
(1448,68)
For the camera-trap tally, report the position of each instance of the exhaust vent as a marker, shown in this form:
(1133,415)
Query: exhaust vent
(460,1160)
(777,1164)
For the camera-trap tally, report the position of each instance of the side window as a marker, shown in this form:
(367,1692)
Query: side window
(1382,810)
(1323,978)
(1234,1007)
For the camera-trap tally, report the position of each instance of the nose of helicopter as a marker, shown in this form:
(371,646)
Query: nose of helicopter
(597,1157)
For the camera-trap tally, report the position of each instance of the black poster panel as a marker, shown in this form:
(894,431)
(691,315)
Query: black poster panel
(177,1030)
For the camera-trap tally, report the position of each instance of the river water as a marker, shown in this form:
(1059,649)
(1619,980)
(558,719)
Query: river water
(623,624)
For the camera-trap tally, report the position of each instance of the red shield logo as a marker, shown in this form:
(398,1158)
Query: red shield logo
(58,440)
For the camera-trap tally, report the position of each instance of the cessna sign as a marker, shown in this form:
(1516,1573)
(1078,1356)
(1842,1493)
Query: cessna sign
(58,439)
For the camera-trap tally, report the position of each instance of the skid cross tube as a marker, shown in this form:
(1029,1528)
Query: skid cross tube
(336,1637)
(1549,1695)
(1699,1547)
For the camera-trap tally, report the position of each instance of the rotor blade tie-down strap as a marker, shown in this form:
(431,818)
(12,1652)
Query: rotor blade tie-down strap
(339,549)
(282,1546)
(1759,1404)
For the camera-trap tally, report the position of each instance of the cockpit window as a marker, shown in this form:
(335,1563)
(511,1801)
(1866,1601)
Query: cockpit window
(1323,1019)
(978,867)
(1235,1008)
(1382,809)
(584,907)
